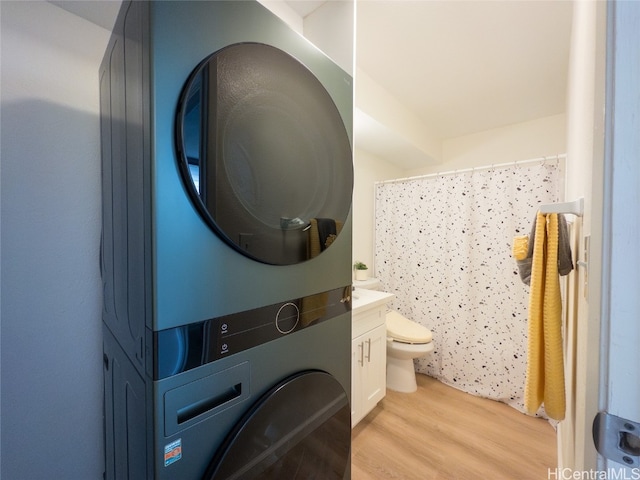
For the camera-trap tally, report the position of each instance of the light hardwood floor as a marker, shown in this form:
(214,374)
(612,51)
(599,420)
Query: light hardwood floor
(442,433)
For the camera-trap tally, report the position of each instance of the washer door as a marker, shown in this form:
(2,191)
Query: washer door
(262,151)
(301,429)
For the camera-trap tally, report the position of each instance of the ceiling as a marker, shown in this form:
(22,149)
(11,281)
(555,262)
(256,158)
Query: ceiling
(460,66)
(468,66)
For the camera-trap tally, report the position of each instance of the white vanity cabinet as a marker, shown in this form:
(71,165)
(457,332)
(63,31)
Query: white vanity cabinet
(368,351)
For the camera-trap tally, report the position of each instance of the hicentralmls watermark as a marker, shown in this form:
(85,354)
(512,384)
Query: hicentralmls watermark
(608,474)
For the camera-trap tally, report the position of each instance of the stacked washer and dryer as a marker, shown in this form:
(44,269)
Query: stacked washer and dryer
(226,248)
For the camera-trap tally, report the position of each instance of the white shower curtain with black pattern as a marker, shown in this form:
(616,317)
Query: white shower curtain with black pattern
(443,247)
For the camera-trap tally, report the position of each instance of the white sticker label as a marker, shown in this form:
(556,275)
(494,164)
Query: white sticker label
(172,452)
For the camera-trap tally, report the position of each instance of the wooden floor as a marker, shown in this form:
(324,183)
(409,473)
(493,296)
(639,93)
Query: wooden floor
(442,433)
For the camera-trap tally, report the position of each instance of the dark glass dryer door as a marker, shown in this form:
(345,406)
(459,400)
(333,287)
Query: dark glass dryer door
(263,150)
(300,429)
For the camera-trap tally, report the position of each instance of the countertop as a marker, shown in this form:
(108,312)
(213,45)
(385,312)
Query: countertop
(364,300)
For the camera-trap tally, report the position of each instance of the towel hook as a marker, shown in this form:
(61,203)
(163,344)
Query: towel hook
(576,207)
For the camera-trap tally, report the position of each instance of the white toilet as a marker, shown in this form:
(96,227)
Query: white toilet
(406,340)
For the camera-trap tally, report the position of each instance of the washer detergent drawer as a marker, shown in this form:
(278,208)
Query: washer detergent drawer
(195,401)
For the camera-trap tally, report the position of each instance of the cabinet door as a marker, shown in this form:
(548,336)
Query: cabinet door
(374,375)
(356,380)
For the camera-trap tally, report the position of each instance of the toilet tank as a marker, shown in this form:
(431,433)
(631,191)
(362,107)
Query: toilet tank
(371,283)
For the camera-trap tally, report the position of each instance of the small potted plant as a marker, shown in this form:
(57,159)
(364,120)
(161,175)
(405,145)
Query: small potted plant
(361,270)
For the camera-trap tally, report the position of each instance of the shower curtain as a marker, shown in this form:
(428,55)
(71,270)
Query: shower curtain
(443,247)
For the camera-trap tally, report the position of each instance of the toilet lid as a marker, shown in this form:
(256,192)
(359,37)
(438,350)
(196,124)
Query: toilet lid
(404,330)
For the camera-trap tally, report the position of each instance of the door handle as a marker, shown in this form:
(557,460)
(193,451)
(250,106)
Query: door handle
(617,439)
(368,350)
(361,347)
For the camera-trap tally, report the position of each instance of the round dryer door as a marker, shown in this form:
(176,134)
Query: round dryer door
(301,429)
(264,153)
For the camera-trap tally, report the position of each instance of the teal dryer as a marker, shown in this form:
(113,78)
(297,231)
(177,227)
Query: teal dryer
(227,178)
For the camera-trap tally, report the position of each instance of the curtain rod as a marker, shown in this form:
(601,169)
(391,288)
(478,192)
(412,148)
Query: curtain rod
(473,169)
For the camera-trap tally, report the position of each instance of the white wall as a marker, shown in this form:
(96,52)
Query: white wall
(285,13)
(51,291)
(368,170)
(585,150)
(331,28)
(522,141)
(376,102)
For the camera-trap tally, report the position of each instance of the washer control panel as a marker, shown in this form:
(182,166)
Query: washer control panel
(189,346)
(287,318)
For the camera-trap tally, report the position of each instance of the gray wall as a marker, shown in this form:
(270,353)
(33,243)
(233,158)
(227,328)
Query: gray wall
(51,361)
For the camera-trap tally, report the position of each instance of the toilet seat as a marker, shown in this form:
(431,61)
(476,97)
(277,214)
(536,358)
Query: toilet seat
(403,330)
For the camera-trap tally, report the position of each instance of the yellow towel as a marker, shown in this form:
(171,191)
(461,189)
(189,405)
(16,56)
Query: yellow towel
(520,247)
(545,365)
